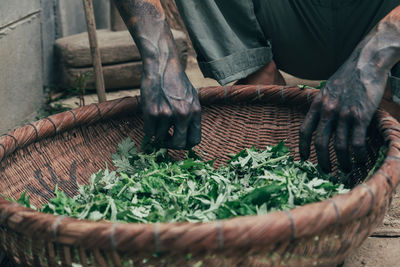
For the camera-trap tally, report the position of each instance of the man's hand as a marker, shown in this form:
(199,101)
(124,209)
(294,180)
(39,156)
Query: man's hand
(347,103)
(171,100)
(168,98)
(345,106)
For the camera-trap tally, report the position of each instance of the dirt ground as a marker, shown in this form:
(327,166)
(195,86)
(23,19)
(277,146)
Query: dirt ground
(382,249)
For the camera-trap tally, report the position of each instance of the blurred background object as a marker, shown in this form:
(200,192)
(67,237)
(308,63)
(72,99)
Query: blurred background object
(29,65)
(28,31)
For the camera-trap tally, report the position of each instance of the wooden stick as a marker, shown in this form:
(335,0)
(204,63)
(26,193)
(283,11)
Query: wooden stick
(94,50)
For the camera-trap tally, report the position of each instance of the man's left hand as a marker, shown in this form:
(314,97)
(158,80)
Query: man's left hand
(345,106)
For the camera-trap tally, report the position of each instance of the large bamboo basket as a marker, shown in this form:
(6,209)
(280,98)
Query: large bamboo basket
(66,148)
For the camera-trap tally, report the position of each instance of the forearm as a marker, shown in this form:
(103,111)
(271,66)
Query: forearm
(380,49)
(168,98)
(147,24)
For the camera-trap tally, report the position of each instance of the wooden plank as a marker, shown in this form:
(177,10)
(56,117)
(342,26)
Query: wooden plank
(119,76)
(115,47)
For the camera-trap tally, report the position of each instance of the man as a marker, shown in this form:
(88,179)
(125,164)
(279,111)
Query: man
(354,44)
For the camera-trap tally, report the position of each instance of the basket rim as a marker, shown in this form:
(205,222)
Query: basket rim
(253,231)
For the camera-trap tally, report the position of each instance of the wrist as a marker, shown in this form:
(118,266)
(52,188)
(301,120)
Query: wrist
(380,51)
(157,65)
(160,56)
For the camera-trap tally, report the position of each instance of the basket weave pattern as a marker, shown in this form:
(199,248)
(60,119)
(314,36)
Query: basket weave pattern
(66,148)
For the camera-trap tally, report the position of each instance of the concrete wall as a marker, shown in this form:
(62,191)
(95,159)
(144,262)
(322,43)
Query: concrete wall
(48,36)
(28,30)
(62,18)
(102,13)
(71,17)
(21,75)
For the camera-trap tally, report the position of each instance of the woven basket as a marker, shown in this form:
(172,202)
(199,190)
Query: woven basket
(66,148)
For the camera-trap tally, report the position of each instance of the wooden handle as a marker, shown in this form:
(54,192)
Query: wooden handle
(94,50)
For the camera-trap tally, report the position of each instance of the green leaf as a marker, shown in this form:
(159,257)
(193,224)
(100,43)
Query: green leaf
(280,149)
(95,216)
(148,188)
(126,148)
(261,195)
(24,200)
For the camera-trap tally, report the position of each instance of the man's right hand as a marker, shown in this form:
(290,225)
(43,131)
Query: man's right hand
(170,100)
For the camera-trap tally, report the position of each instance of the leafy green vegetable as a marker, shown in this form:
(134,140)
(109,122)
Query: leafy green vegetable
(153,188)
(319,87)
(379,161)
(25,201)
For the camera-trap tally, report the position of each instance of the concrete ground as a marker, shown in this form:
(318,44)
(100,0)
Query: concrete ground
(382,249)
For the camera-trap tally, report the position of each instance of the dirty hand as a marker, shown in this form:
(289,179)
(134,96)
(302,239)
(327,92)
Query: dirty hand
(347,103)
(345,106)
(170,100)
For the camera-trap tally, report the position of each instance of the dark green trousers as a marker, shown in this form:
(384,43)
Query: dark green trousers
(306,38)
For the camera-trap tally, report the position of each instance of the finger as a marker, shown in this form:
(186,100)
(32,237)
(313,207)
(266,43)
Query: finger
(179,138)
(322,138)
(194,131)
(307,128)
(162,130)
(342,143)
(149,124)
(358,142)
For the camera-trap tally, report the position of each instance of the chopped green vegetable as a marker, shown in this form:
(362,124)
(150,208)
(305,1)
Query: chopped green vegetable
(379,161)
(319,87)
(152,187)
